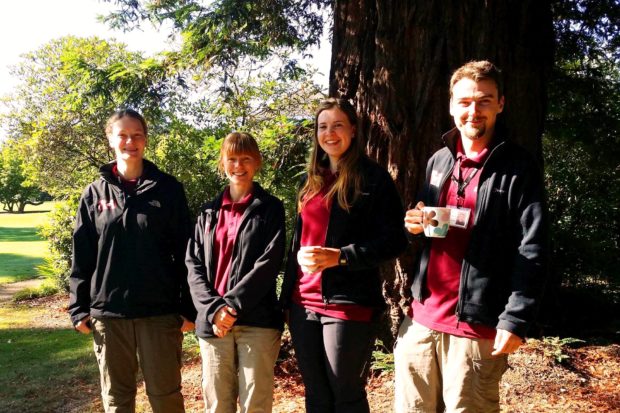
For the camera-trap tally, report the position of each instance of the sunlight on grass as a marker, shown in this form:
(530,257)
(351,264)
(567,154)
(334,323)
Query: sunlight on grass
(21,248)
(34,216)
(15,317)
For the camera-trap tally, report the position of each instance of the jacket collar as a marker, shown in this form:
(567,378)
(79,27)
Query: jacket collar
(258,196)
(150,175)
(450,139)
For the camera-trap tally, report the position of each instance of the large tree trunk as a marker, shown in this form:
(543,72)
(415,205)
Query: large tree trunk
(394,59)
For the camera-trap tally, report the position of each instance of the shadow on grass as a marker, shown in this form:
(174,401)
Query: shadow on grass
(21,234)
(18,267)
(47,370)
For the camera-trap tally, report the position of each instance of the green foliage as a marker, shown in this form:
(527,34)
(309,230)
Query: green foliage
(584,208)
(382,359)
(67,89)
(29,293)
(223,32)
(58,231)
(16,189)
(555,347)
(582,142)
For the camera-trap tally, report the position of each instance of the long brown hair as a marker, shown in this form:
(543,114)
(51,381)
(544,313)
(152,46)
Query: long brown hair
(348,184)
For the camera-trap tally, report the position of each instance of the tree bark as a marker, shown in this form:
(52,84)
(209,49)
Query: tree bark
(394,59)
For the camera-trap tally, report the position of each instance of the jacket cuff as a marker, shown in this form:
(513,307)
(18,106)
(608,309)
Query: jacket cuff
(518,329)
(216,307)
(75,318)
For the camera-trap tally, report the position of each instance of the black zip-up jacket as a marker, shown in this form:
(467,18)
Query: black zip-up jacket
(504,268)
(371,233)
(129,248)
(257,257)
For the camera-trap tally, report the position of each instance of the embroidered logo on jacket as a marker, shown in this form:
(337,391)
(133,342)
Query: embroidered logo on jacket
(104,205)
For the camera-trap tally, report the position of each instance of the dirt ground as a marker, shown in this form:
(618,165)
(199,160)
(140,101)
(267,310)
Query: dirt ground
(588,381)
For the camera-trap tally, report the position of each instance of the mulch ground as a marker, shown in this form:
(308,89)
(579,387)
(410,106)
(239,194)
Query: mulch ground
(587,381)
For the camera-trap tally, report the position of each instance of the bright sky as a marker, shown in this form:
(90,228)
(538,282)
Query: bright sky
(25,25)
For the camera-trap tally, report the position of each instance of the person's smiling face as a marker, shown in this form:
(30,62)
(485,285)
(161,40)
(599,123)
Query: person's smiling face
(240,168)
(334,133)
(474,107)
(127,139)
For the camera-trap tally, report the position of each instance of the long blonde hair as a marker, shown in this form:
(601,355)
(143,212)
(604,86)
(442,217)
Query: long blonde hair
(348,184)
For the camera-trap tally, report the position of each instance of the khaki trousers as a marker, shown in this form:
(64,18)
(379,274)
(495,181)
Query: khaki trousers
(436,371)
(239,366)
(153,344)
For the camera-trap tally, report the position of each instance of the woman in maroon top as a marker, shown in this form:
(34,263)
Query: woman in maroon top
(233,260)
(349,222)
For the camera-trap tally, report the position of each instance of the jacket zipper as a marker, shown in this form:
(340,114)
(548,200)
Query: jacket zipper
(465,268)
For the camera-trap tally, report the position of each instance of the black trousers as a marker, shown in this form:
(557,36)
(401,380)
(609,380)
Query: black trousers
(333,357)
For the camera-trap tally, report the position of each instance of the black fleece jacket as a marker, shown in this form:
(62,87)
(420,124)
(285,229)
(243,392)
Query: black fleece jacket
(129,248)
(256,259)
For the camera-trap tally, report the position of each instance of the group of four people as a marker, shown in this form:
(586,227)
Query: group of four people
(137,282)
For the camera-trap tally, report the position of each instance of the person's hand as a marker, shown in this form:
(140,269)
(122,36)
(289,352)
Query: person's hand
(84,326)
(414,218)
(219,333)
(223,320)
(506,342)
(315,259)
(187,325)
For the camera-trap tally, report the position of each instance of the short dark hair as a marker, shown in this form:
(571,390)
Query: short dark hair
(478,70)
(125,113)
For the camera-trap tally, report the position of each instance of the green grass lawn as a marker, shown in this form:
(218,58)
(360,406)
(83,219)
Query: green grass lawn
(21,248)
(42,369)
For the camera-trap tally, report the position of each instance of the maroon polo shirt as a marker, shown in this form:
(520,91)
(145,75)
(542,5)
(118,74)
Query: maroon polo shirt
(129,185)
(437,310)
(225,234)
(307,292)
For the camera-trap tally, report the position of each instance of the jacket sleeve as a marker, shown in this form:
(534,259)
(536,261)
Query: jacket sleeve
(386,224)
(182,231)
(205,297)
(529,267)
(257,283)
(83,259)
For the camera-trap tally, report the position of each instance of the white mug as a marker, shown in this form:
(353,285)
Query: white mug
(436,221)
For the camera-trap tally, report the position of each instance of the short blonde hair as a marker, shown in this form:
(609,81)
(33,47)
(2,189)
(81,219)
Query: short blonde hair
(238,143)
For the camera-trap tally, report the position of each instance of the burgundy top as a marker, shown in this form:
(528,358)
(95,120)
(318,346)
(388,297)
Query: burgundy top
(225,234)
(307,292)
(437,310)
(129,185)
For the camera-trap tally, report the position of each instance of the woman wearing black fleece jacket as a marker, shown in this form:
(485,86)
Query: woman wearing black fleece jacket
(128,281)
(233,261)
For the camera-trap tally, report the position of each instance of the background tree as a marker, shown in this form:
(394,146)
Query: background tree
(582,158)
(16,189)
(395,58)
(68,88)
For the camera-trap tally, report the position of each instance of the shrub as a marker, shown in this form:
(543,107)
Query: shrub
(58,231)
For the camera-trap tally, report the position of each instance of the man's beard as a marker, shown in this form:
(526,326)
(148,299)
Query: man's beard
(475,133)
